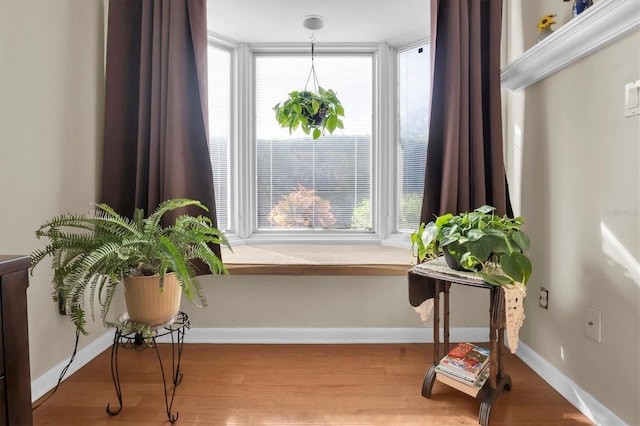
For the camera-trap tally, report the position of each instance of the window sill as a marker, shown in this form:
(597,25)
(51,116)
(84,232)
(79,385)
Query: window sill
(317,259)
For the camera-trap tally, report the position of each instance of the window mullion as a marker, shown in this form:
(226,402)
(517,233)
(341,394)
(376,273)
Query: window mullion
(244,183)
(384,136)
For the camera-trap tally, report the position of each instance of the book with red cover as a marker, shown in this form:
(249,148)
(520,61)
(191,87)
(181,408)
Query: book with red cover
(465,361)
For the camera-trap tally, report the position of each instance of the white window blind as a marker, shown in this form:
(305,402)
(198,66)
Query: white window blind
(219,72)
(307,184)
(413,108)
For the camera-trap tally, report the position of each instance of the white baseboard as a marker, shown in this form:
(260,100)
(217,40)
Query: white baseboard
(578,397)
(48,380)
(329,335)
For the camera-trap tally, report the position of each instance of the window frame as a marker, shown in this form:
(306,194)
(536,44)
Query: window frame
(384,134)
(397,190)
(305,55)
(229,47)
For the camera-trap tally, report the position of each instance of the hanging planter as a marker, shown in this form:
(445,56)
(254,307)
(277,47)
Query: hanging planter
(311,110)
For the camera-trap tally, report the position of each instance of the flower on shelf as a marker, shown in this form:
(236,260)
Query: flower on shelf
(544,27)
(546,22)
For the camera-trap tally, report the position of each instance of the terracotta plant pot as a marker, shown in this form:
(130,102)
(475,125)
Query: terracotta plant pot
(146,304)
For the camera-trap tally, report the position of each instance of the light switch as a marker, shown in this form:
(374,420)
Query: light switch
(632,99)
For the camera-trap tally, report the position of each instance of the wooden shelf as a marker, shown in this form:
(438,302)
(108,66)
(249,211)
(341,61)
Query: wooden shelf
(598,26)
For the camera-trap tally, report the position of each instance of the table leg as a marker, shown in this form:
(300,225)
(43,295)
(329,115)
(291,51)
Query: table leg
(497,379)
(176,355)
(176,376)
(445,327)
(436,324)
(114,374)
(430,375)
(493,343)
(489,395)
(501,324)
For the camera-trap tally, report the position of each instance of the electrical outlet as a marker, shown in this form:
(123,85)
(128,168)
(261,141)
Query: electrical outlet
(544,298)
(593,324)
(632,99)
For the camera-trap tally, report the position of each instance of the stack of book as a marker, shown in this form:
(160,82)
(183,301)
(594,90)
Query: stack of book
(465,367)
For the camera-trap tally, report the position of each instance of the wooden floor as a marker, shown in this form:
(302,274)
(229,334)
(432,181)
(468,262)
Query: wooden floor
(295,385)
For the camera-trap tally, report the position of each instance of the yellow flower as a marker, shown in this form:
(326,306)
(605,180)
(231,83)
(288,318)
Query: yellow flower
(545,22)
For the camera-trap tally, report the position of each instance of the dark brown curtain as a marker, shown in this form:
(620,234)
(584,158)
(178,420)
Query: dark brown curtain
(156,115)
(465,167)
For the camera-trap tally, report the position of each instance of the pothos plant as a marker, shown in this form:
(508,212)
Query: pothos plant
(492,246)
(310,111)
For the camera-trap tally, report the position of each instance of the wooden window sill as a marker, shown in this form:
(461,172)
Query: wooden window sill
(316,259)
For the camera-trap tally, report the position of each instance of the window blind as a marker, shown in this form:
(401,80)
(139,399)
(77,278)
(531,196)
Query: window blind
(307,184)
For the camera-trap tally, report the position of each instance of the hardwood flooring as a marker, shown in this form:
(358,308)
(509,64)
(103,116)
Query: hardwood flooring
(377,384)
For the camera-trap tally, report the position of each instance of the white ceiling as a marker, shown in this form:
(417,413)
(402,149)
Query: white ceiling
(396,22)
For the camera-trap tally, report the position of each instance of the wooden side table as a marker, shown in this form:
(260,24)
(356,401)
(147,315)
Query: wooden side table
(441,280)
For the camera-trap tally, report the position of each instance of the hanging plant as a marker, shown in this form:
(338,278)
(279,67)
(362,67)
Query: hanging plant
(315,110)
(308,110)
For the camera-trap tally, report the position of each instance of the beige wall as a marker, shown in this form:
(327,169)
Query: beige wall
(580,175)
(580,165)
(51,96)
(323,302)
(51,81)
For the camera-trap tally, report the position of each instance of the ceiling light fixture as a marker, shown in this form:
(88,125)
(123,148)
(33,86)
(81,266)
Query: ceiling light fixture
(313,22)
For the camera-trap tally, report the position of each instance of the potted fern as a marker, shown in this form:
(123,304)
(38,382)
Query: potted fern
(93,253)
(311,111)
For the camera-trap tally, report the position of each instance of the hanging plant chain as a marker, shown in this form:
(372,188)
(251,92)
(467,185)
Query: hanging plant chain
(312,73)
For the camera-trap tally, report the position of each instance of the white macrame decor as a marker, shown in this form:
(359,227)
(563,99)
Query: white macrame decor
(514,312)
(424,309)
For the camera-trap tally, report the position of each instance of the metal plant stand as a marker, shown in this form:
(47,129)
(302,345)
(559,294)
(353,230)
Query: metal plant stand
(174,329)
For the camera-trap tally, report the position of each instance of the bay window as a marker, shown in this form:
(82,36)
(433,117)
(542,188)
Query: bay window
(360,183)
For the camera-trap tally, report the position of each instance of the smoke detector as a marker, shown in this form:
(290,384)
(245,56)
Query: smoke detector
(313,22)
